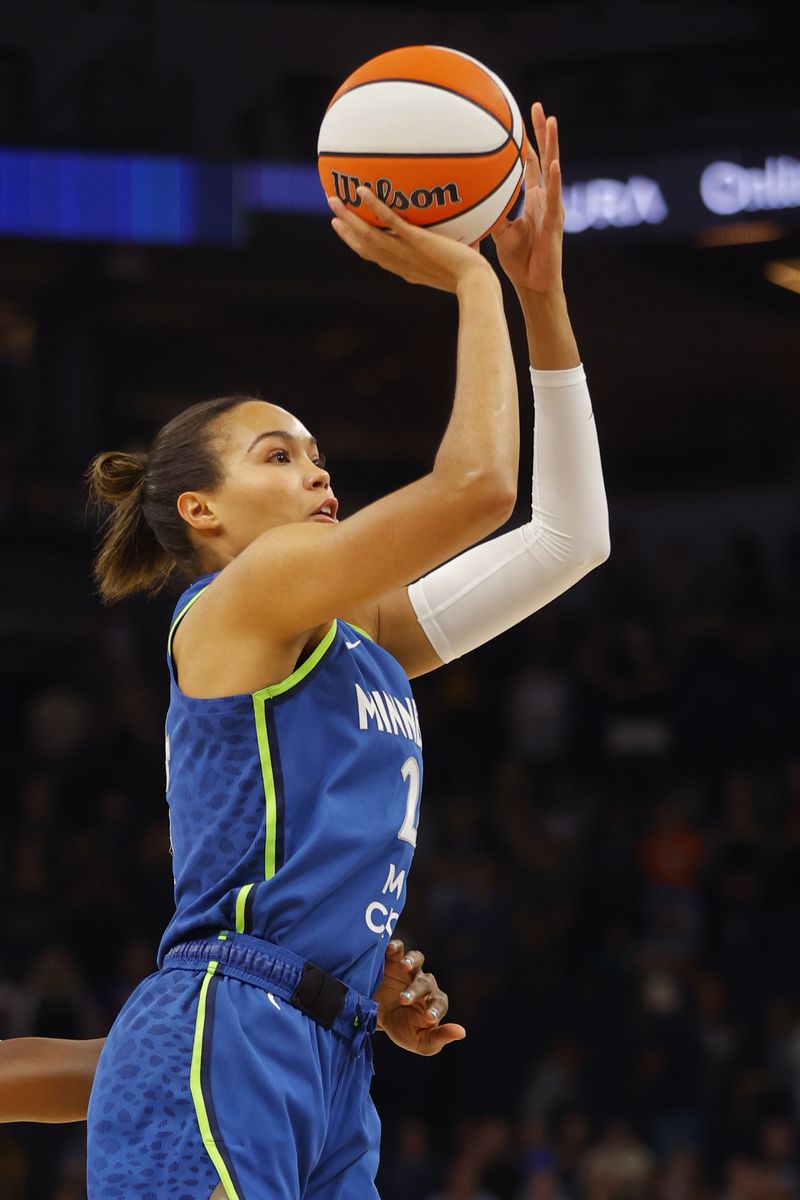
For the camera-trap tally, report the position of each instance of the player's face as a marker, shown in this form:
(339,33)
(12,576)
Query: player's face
(274,474)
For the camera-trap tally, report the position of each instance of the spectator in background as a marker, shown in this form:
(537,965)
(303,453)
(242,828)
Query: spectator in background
(619,1166)
(665,1089)
(539,709)
(572,1140)
(670,858)
(61,1004)
(410,1168)
(680,1177)
(463,1181)
(13,1168)
(543,1184)
(554,1082)
(778,1146)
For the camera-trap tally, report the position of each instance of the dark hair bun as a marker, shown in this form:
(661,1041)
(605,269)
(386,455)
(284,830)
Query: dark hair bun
(115,476)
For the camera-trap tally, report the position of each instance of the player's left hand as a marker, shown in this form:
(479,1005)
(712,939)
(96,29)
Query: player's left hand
(529,249)
(411,1006)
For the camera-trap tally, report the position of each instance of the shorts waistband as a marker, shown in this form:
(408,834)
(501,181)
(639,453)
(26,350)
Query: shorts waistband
(306,986)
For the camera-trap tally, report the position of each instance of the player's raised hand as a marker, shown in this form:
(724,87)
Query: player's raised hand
(530,248)
(415,254)
(411,1006)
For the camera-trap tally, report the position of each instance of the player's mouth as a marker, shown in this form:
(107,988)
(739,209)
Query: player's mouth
(326,511)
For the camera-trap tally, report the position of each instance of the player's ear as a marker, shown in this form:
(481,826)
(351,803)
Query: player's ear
(197,510)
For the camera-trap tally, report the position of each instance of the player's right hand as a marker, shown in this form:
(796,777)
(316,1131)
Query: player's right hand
(416,255)
(529,249)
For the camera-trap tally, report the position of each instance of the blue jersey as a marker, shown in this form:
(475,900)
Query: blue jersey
(294,809)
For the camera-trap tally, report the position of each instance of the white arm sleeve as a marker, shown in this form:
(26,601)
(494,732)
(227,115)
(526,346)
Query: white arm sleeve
(486,590)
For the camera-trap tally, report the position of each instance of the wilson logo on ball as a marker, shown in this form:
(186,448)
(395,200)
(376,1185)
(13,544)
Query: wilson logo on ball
(438,133)
(420,197)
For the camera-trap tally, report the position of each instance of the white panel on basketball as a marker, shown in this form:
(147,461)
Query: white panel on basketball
(405,117)
(469,226)
(516,128)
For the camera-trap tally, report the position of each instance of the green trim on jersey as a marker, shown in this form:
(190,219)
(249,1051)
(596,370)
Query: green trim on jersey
(241,901)
(196,1087)
(268,780)
(259,700)
(181,615)
(285,685)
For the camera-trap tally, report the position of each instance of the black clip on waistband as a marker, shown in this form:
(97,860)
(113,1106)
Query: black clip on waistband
(319,995)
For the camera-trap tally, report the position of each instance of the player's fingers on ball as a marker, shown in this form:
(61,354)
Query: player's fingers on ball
(539,128)
(339,209)
(552,142)
(556,146)
(529,155)
(357,224)
(555,203)
(343,218)
(350,237)
(533,171)
(388,218)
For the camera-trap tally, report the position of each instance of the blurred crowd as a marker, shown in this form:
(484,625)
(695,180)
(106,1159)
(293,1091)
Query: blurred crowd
(607,884)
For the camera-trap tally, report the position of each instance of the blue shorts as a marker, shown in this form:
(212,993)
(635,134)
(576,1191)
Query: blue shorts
(210,1073)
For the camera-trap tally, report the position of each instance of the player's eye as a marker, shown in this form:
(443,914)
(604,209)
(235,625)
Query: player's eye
(278,456)
(320,461)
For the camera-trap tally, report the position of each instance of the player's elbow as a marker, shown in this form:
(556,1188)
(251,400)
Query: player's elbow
(600,549)
(495,496)
(479,502)
(594,549)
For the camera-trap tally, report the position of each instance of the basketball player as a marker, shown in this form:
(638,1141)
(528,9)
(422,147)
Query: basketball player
(293,745)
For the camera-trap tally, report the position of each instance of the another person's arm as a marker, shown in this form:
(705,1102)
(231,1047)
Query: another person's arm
(412,1006)
(46,1079)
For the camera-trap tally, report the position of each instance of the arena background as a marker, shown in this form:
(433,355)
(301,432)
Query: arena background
(608,876)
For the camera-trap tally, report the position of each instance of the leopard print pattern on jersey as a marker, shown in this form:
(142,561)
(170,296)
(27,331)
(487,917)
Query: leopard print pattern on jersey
(144,1140)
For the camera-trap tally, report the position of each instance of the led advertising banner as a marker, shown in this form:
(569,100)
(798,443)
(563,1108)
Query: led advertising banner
(64,194)
(680,195)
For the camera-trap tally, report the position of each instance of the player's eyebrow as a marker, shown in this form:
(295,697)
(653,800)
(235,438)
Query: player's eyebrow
(281,433)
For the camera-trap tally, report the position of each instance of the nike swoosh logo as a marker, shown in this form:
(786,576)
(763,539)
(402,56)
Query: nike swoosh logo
(352,645)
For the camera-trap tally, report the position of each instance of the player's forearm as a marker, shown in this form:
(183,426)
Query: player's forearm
(486,590)
(482,437)
(551,342)
(46,1079)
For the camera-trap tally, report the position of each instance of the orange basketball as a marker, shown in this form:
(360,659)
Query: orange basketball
(435,133)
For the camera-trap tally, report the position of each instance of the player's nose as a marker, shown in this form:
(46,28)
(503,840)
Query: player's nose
(318,478)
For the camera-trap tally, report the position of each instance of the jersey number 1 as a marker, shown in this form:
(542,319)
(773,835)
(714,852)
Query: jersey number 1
(408,830)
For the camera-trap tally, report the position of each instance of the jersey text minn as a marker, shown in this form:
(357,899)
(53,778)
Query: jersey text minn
(388,713)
